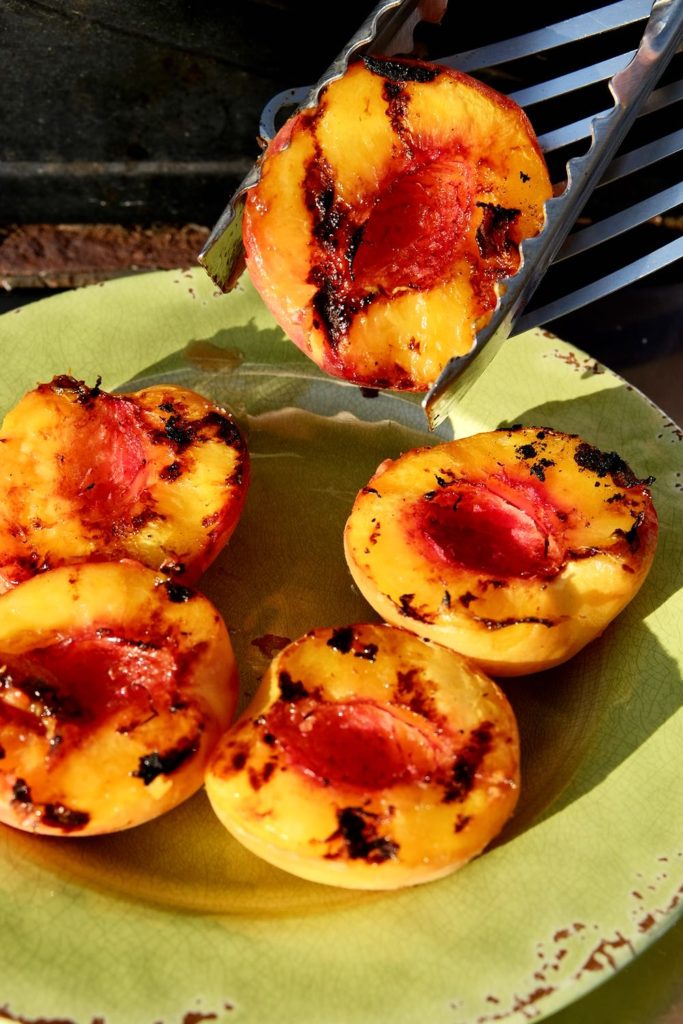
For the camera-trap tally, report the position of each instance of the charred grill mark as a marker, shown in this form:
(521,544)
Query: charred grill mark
(291,690)
(608,463)
(358,829)
(177,593)
(461,822)
(332,312)
(21,793)
(221,426)
(342,640)
(466,764)
(493,234)
(538,469)
(631,536)
(46,701)
(171,472)
(398,101)
(410,691)
(467,598)
(141,519)
(354,241)
(406,607)
(511,621)
(398,72)
(66,819)
(368,653)
(258,779)
(54,815)
(84,395)
(239,759)
(179,432)
(526,451)
(152,765)
(407,683)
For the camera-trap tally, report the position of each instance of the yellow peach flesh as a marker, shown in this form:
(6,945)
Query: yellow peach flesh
(408,184)
(115,685)
(515,548)
(368,759)
(159,476)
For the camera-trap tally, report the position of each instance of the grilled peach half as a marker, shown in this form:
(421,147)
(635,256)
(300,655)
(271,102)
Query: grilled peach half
(385,215)
(115,685)
(369,758)
(159,476)
(514,547)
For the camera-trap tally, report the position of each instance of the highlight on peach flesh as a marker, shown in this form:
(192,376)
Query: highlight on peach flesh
(369,758)
(115,685)
(384,217)
(515,547)
(159,475)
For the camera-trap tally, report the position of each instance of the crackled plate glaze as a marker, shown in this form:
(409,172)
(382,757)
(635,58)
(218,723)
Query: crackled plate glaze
(175,923)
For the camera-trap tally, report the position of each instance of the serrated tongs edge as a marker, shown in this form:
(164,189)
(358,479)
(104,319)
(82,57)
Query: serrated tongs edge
(630,88)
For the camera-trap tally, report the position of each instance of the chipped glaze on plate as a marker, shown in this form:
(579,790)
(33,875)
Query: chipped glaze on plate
(173,922)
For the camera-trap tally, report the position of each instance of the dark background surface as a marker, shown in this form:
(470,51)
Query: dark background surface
(143,116)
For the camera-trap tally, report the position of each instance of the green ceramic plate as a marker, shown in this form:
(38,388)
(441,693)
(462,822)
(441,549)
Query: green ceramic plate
(173,922)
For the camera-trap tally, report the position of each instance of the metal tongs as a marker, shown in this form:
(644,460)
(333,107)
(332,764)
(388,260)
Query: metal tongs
(632,78)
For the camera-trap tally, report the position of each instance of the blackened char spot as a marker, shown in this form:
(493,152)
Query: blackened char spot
(171,472)
(64,818)
(21,792)
(225,428)
(291,690)
(503,623)
(332,312)
(526,451)
(407,607)
(603,463)
(358,829)
(341,640)
(466,763)
(368,653)
(631,536)
(178,432)
(84,394)
(493,237)
(538,468)
(177,593)
(399,72)
(154,764)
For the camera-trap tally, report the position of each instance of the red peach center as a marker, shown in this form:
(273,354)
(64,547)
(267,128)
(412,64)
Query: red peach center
(356,744)
(482,531)
(416,227)
(107,467)
(84,681)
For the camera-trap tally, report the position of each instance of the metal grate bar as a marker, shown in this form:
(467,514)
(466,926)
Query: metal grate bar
(625,12)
